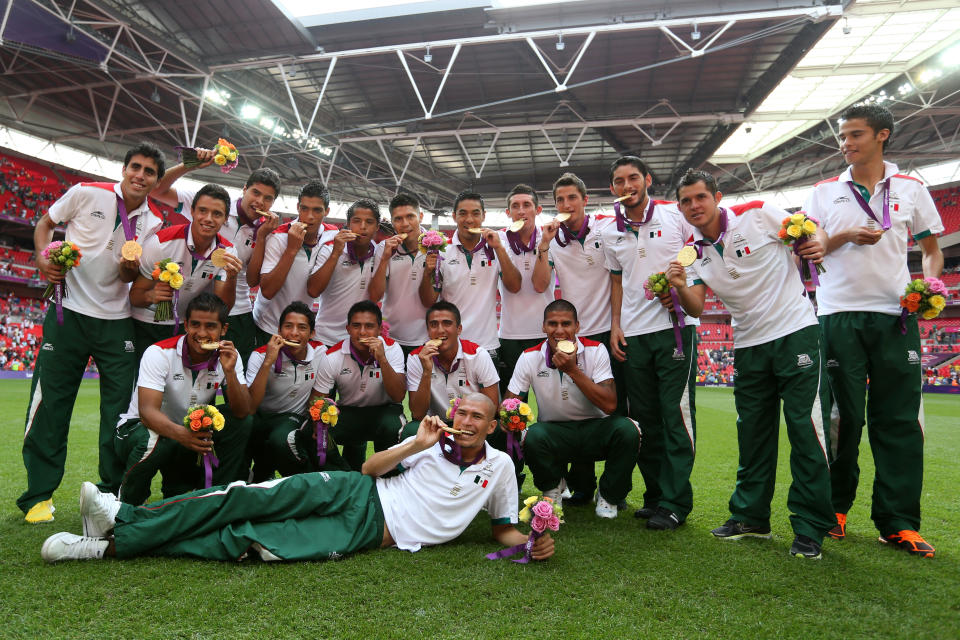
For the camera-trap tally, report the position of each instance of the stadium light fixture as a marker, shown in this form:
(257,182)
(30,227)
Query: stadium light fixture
(155,96)
(428,58)
(249,112)
(560,44)
(695,34)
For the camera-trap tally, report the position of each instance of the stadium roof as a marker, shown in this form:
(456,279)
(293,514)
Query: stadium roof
(435,97)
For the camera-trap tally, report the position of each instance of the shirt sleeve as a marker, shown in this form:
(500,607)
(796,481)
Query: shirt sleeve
(151,251)
(154,368)
(486,371)
(502,501)
(414,372)
(185,200)
(276,244)
(522,375)
(813,209)
(324,251)
(68,205)
(610,260)
(253,367)
(926,219)
(326,376)
(770,220)
(395,357)
(601,365)
(410,461)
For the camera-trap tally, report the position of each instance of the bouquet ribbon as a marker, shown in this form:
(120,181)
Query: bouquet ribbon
(811,266)
(436,269)
(321,443)
(286,351)
(903,321)
(885,224)
(176,315)
(513,238)
(623,221)
(210,462)
(526,548)
(678,319)
(564,235)
(58,299)
(513,446)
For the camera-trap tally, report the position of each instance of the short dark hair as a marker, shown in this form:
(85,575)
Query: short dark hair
(300,307)
(877,116)
(570,180)
(693,176)
(207,301)
(265,176)
(560,306)
(636,162)
(404,200)
(147,150)
(364,203)
(444,305)
(314,189)
(468,195)
(365,306)
(523,189)
(213,191)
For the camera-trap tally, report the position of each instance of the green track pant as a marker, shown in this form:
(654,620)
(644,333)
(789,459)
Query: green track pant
(358,425)
(148,333)
(862,346)
(314,516)
(661,387)
(145,453)
(59,370)
(290,446)
(242,332)
(787,369)
(510,351)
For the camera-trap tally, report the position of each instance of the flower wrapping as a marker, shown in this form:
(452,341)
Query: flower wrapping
(794,231)
(926,297)
(324,414)
(226,156)
(542,514)
(67,255)
(205,417)
(167,271)
(515,417)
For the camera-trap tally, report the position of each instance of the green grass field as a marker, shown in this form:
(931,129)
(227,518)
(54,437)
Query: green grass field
(609,579)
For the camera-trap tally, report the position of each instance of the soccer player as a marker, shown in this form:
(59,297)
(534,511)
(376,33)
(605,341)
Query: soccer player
(365,371)
(100,218)
(397,278)
(191,246)
(776,355)
(175,374)
(575,397)
(246,228)
(660,374)
(280,375)
(290,255)
(343,279)
(870,211)
(319,516)
(470,271)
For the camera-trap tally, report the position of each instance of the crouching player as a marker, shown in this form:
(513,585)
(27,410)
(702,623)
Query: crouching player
(575,392)
(175,374)
(316,516)
(776,355)
(280,375)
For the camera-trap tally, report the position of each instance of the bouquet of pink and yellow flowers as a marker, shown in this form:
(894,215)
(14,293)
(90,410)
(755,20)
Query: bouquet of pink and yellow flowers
(515,416)
(926,297)
(205,417)
(542,513)
(168,271)
(324,414)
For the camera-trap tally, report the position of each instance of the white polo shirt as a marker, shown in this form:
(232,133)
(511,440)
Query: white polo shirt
(559,399)
(266,312)
(161,369)
(401,299)
(241,236)
(870,277)
(433,500)
(637,253)
(348,285)
(472,369)
(176,243)
(356,385)
(289,390)
(90,212)
(472,286)
(521,313)
(584,278)
(755,276)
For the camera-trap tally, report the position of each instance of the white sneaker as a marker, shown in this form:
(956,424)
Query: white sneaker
(564,490)
(98,510)
(555,495)
(605,509)
(68,546)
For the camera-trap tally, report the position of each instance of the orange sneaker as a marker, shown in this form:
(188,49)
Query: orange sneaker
(839,531)
(911,542)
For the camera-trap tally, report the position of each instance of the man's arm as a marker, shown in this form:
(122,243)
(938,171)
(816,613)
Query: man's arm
(617,341)
(429,295)
(932,256)
(509,536)
(226,289)
(691,298)
(146,292)
(255,264)
(394,382)
(319,279)
(238,397)
(420,397)
(378,284)
(428,434)
(542,271)
(258,387)
(164,191)
(509,273)
(272,281)
(42,236)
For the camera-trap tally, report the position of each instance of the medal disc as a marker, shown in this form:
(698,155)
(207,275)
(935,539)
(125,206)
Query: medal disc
(562,217)
(687,256)
(218,258)
(566,346)
(517,225)
(131,250)
(210,346)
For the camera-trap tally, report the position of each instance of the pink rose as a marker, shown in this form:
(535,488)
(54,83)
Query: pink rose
(511,404)
(538,524)
(543,509)
(936,285)
(553,523)
(647,291)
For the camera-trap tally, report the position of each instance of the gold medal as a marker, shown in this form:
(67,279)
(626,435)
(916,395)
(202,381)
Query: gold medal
(210,346)
(517,225)
(475,230)
(687,256)
(402,236)
(219,258)
(626,197)
(131,250)
(436,342)
(562,217)
(290,343)
(566,346)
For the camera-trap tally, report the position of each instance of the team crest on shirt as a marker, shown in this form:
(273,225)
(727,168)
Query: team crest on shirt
(178,376)
(804,360)
(97,214)
(453,261)
(46,347)
(455,491)
(543,374)
(841,200)
(345,371)
(707,260)
(912,357)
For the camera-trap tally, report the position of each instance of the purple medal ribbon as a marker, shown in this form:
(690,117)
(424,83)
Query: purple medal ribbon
(480,245)
(210,364)
(128,231)
(286,351)
(453,367)
(513,238)
(623,221)
(352,253)
(210,462)
(199,257)
(454,454)
(369,361)
(700,244)
(548,357)
(866,205)
(564,235)
(526,548)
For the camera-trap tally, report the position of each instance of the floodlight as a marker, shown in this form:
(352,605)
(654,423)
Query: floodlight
(560,43)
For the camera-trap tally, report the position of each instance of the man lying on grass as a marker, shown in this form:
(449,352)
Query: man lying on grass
(441,486)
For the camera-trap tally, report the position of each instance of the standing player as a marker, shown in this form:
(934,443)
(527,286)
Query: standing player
(290,255)
(343,279)
(191,246)
(776,355)
(245,229)
(96,322)
(870,211)
(397,278)
(660,374)
(469,272)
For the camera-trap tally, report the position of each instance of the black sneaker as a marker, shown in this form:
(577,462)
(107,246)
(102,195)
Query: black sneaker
(805,547)
(664,520)
(644,512)
(578,499)
(734,530)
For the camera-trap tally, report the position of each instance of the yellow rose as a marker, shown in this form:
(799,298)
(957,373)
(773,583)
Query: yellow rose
(325,419)
(794,231)
(332,410)
(810,227)
(333,421)
(232,156)
(524,409)
(176,280)
(797,219)
(532,500)
(524,515)
(218,422)
(165,276)
(223,150)
(220,160)
(930,314)
(173,267)
(938,302)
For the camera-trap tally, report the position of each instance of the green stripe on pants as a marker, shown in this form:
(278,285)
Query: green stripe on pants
(61,361)
(862,346)
(312,516)
(787,369)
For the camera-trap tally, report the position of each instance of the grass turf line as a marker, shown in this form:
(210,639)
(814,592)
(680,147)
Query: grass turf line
(609,578)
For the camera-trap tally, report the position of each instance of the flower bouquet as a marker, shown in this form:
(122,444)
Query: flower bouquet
(433,242)
(67,255)
(515,416)
(796,230)
(657,285)
(205,417)
(926,297)
(324,414)
(542,514)
(168,271)
(226,156)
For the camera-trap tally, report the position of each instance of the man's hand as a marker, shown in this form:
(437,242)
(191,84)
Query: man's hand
(549,232)
(199,441)
(232,265)
(390,246)
(863,235)
(295,235)
(676,275)
(813,249)
(269,226)
(228,356)
(617,342)
(205,156)
(427,352)
(492,238)
(377,349)
(542,547)
(274,344)
(52,272)
(430,262)
(666,300)
(566,362)
(429,432)
(161,292)
(342,238)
